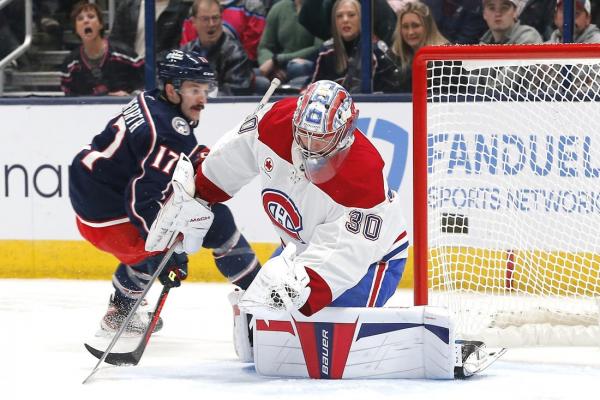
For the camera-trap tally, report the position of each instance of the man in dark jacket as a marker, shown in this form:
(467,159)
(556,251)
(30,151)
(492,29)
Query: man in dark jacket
(222,49)
(460,21)
(128,26)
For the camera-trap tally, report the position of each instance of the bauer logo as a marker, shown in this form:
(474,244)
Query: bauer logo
(387,131)
(324,350)
(283,212)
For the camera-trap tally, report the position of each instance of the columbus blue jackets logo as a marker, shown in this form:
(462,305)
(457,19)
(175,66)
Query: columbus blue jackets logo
(283,212)
(181,126)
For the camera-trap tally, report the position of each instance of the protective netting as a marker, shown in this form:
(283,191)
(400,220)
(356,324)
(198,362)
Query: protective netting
(513,153)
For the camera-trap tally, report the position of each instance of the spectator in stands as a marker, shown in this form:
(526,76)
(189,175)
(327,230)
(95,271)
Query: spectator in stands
(98,67)
(129,25)
(538,14)
(287,50)
(585,31)
(245,19)
(460,21)
(316,16)
(580,79)
(222,49)
(339,58)
(504,26)
(415,28)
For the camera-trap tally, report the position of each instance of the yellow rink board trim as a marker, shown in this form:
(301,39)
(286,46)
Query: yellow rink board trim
(77,259)
(536,272)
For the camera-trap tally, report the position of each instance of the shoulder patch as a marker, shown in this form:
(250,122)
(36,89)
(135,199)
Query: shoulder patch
(181,126)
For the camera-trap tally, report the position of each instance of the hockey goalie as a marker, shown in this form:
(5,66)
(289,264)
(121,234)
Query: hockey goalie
(316,309)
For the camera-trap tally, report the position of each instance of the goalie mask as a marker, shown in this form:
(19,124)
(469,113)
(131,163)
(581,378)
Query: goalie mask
(324,123)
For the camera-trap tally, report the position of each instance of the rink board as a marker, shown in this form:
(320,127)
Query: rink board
(39,238)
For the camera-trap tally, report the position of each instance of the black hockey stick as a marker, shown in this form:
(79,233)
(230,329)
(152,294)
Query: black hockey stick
(148,332)
(133,357)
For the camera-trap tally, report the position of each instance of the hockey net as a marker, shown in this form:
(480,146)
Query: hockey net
(507,190)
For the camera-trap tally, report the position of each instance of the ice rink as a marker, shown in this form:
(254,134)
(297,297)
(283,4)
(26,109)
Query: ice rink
(44,323)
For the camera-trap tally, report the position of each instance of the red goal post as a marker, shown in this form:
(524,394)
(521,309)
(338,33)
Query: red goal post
(516,80)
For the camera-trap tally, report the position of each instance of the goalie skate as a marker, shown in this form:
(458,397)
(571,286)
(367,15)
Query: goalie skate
(116,314)
(473,357)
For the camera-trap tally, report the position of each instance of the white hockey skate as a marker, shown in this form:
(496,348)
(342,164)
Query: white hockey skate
(473,357)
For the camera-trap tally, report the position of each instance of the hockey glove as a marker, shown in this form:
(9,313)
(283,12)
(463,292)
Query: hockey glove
(181,213)
(175,271)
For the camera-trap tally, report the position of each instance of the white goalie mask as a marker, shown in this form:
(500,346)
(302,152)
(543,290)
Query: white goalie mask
(324,123)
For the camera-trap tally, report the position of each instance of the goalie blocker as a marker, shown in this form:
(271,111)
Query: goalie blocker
(368,343)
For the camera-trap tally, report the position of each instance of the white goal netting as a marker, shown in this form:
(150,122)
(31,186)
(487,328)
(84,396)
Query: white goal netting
(513,198)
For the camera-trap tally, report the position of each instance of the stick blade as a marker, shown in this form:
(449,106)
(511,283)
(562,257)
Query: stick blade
(119,359)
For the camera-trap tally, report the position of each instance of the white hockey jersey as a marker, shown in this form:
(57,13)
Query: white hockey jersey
(340,227)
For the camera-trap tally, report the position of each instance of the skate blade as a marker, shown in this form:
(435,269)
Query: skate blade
(474,365)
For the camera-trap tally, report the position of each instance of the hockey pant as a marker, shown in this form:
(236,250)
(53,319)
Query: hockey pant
(375,288)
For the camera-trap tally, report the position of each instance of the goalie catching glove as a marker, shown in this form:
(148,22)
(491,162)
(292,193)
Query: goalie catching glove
(280,285)
(181,213)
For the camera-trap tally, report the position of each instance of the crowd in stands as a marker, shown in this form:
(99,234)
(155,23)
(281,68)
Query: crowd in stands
(249,42)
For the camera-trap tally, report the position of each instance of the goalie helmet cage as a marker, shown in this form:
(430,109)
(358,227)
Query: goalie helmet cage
(506,184)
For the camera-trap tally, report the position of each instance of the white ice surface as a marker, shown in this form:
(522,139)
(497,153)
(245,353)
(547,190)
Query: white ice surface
(44,323)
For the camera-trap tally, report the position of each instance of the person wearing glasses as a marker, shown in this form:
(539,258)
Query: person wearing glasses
(221,48)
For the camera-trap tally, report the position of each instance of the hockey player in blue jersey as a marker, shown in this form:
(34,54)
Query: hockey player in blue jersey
(118,183)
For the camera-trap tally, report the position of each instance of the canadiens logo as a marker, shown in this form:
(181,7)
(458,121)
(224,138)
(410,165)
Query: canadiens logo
(181,126)
(283,212)
(268,164)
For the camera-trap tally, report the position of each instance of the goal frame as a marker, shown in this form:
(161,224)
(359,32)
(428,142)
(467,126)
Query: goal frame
(419,83)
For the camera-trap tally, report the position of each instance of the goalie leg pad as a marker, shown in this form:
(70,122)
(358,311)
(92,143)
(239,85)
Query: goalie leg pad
(241,330)
(347,343)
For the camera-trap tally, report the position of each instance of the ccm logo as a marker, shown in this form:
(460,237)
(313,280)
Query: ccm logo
(324,352)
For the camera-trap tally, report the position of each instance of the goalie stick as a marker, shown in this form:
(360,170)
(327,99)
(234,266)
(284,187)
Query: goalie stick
(134,357)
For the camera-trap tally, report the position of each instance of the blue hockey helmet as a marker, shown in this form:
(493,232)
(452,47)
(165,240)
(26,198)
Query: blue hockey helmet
(180,66)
